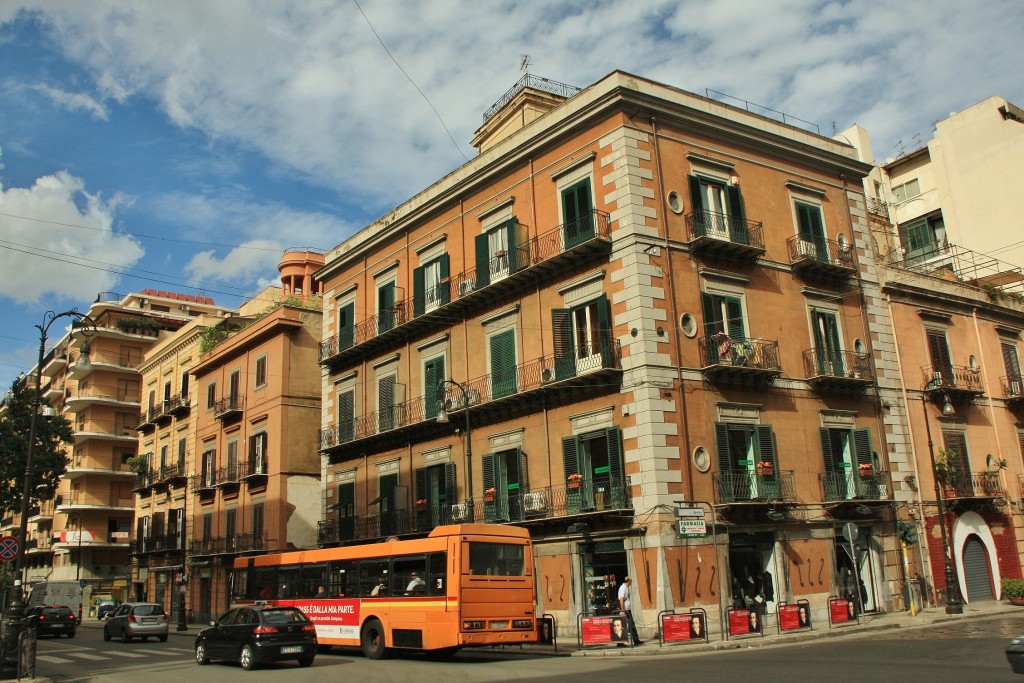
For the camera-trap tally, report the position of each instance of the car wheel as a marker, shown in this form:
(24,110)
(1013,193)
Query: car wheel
(372,640)
(248,658)
(201,657)
(163,639)
(106,634)
(125,637)
(306,661)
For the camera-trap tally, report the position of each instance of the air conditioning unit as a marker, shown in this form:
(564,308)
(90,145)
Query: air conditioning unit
(457,402)
(1015,388)
(805,248)
(547,375)
(466,286)
(460,512)
(535,502)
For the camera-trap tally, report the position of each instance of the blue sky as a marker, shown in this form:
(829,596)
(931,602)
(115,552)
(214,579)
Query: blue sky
(184,145)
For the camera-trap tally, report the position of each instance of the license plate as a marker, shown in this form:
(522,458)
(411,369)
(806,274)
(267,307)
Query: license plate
(56,625)
(149,620)
(291,649)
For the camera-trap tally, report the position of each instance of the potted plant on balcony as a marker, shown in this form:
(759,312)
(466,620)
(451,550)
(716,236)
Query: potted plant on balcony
(1013,590)
(138,464)
(946,471)
(865,469)
(489,495)
(575,481)
(766,468)
(990,477)
(421,505)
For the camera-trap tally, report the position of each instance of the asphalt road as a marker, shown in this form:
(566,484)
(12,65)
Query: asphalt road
(963,651)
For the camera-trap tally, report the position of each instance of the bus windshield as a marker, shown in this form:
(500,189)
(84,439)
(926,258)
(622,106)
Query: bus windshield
(496,559)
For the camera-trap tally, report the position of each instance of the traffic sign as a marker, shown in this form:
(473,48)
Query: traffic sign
(692,528)
(8,548)
(850,531)
(690,512)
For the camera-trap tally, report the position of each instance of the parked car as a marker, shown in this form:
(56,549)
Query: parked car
(1015,654)
(105,607)
(52,620)
(256,634)
(143,620)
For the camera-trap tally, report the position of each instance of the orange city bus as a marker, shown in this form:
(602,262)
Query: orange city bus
(463,585)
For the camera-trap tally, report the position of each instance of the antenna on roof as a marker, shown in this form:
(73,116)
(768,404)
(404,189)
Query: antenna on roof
(524,64)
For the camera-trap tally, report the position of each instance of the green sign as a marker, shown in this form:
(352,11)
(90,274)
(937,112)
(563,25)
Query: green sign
(745,463)
(692,528)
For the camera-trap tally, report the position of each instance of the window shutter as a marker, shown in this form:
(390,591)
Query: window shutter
(577,211)
(570,455)
(713,323)
(503,364)
(420,476)
(515,261)
(444,293)
(386,403)
(488,467)
(346,416)
(734,311)
(957,442)
(483,261)
(737,223)
(862,446)
(524,479)
(1012,364)
(695,197)
(433,374)
(561,331)
(826,451)
(419,298)
(722,445)
(766,443)
(346,326)
(613,436)
(604,330)
(939,351)
(450,493)
(346,499)
(388,482)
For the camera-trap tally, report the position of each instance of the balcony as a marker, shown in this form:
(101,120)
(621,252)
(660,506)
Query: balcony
(1013,391)
(122,432)
(255,470)
(230,475)
(548,380)
(83,503)
(838,372)
(856,490)
(143,482)
(158,543)
(538,259)
(228,545)
(821,259)
(106,361)
(877,207)
(83,466)
(959,382)
(147,421)
(595,496)
(752,487)
(162,414)
(229,408)
(178,406)
(750,362)
(57,361)
(725,237)
(38,546)
(972,491)
(172,473)
(205,482)
(101,395)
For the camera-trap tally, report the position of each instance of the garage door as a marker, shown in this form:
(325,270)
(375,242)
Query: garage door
(976,571)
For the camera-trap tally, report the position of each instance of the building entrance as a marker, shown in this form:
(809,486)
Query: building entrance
(752,572)
(604,568)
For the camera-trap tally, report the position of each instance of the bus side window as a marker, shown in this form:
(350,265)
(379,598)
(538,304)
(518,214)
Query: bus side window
(410,575)
(373,573)
(343,579)
(438,572)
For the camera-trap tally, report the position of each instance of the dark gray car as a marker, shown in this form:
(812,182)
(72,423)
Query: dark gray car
(260,633)
(143,620)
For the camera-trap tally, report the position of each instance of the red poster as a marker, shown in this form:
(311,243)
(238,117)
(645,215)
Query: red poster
(739,622)
(675,627)
(333,618)
(840,610)
(789,618)
(596,630)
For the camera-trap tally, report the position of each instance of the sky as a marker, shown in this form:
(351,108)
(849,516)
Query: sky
(185,145)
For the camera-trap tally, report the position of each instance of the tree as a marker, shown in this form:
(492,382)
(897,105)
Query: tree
(49,457)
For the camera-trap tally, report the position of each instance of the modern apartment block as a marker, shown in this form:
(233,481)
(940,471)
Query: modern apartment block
(633,300)
(85,533)
(254,471)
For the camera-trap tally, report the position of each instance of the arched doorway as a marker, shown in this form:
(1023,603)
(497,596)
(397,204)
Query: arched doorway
(976,570)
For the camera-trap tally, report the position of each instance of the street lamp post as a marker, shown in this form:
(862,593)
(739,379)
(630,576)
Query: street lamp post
(442,418)
(78,568)
(15,611)
(954,603)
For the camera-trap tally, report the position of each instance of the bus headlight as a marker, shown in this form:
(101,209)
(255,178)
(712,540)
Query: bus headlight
(472,625)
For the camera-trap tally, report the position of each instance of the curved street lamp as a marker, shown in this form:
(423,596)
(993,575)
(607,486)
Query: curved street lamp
(954,602)
(442,418)
(15,611)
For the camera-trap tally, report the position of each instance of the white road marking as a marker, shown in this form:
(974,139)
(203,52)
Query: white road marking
(118,653)
(165,653)
(85,655)
(54,660)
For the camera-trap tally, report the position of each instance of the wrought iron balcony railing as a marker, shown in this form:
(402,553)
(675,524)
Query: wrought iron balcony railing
(503,265)
(1013,386)
(228,406)
(857,483)
(756,354)
(967,485)
(229,474)
(821,251)
(229,545)
(750,486)
(549,370)
(593,495)
(725,227)
(952,378)
(838,364)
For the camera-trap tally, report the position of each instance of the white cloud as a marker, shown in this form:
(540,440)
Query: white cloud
(74,101)
(57,242)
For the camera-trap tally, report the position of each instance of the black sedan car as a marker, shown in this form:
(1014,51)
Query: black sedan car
(50,620)
(254,634)
(1015,654)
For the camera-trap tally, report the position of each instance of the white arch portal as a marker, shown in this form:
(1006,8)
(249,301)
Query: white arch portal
(967,524)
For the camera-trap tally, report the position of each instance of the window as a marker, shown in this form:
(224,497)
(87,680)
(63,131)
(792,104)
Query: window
(595,458)
(496,559)
(182,451)
(828,353)
(386,311)
(231,526)
(232,457)
(234,384)
(386,502)
(152,401)
(346,415)
(811,229)
(435,486)
(430,285)
(577,214)
(211,395)
(433,379)
(388,399)
(167,392)
(956,443)
(723,328)
(346,326)
(209,468)
(207,526)
(258,529)
(346,507)
(502,348)
(505,474)
(923,237)
(849,468)
(163,458)
(258,453)
(261,371)
(746,462)
(717,210)
(1011,361)
(184,385)
(582,338)
(942,366)
(907,190)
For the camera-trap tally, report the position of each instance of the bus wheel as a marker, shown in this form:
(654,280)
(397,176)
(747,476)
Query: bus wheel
(441,653)
(372,640)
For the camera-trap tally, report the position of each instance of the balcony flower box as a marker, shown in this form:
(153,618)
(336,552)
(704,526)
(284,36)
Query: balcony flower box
(865,470)
(765,469)
(489,495)
(575,481)
(421,505)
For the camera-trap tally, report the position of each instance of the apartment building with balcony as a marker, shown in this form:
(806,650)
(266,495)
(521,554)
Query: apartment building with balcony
(92,376)
(634,299)
(254,471)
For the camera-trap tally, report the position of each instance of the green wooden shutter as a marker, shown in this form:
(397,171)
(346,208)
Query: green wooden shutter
(483,261)
(422,492)
(503,364)
(725,468)
(450,493)
(419,295)
(346,511)
(737,223)
(606,340)
(490,507)
(939,351)
(734,311)
(346,416)
(696,199)
(616,476)
(386,403)
(346,326)
(862,446)
(826,451)
(570,462)
(561,330)
(577,211)
(433,375)
(515,259)
(444,293)
(766,443)
(524,478)
(388,514)
(385,307)
(699,219)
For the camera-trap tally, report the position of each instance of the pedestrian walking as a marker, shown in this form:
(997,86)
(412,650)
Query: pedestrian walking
(625,604)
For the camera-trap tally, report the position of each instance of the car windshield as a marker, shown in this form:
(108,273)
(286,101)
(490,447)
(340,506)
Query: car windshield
(56,611)
(148,610)
(283,616)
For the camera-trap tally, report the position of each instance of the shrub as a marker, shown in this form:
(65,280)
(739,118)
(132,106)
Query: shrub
(1013,588)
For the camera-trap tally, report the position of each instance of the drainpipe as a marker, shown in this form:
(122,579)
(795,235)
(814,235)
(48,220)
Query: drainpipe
(991,404)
